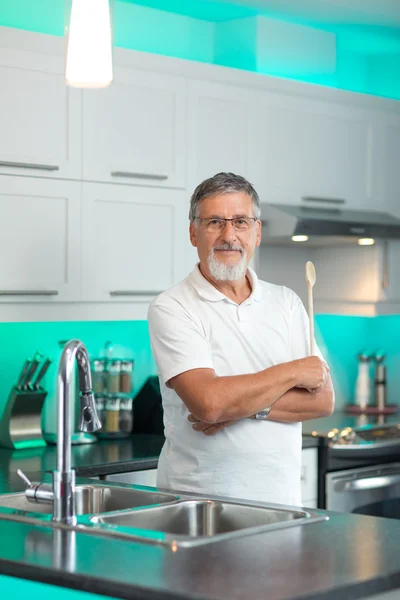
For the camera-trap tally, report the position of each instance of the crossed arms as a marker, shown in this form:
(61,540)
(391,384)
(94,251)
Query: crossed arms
(297,391)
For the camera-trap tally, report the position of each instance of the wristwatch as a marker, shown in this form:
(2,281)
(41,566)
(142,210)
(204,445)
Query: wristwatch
(263,414)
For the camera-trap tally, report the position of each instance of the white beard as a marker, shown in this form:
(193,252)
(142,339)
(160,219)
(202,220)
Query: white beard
(223,272)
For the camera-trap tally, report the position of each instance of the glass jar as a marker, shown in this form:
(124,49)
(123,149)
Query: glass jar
(98,376)
(113,377)
(126,415)
(111,423)
(126,376)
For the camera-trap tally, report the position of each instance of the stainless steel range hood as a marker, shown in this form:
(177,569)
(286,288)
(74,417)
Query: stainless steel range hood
(325,226)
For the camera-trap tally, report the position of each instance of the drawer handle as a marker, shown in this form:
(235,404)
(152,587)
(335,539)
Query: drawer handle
(139,175)
(323,200)
(22,165)
(133,293)
(28,293)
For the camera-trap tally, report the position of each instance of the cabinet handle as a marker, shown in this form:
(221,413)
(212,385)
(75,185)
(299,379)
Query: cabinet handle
(323,200)
(139,175)
(134,293)
(21,165)
(28,293)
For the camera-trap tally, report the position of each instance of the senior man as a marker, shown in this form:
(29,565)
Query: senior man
(231,352)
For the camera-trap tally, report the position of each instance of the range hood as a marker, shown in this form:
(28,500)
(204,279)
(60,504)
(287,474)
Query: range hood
(325,226)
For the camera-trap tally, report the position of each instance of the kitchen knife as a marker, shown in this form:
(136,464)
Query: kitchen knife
(23,373)
(42,372)
(31,371)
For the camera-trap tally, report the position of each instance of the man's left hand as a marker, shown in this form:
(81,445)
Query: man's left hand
(206,428)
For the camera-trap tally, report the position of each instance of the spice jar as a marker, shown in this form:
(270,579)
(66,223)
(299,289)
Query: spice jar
(113,376)
(126,376)
(126,415)
(98,376)
(111,424)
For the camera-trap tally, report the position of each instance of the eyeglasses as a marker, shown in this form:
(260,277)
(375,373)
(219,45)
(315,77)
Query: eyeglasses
(218,224)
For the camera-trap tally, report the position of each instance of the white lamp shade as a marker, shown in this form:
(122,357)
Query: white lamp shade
(89,47)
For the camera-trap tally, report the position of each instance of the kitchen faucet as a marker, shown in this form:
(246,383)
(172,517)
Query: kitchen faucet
(62,492)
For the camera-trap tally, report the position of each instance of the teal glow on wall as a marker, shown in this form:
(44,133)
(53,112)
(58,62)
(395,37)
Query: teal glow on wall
(367,59)
(341,338)
(130,339)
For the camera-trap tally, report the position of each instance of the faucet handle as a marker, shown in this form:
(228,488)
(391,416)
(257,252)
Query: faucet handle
(24,478)
(89,418)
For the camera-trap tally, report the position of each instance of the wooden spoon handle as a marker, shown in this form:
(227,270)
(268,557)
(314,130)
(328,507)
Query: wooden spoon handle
(311,318)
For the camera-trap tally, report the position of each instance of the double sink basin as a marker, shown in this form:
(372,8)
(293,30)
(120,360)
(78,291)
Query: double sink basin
(147,515)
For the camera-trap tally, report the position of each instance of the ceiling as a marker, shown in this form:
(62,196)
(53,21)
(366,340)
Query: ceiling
(376,13)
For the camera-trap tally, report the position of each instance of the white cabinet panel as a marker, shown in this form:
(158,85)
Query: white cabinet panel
(132,241)
(134,131)
(391,180)
(39,239)
(309,477)
(304,147)
(40,118)
(219,118)
(147,477)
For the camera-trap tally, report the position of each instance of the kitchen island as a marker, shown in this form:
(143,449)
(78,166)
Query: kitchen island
(347,556)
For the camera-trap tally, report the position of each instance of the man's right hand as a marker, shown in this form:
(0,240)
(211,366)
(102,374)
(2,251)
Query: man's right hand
(311,373)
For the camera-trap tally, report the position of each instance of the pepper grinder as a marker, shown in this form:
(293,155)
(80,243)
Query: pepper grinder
(362,391)
(380,381)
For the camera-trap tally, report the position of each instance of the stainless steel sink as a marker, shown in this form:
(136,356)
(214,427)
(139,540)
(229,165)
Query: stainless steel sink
(91,499)
(193,522)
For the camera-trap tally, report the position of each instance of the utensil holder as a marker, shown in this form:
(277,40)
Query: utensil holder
(20,425)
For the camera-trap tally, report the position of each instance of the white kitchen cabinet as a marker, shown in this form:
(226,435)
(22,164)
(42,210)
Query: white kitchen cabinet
(311,148)
(146,477)
(309,477)
(391,163)
(134,131)
(40,233)
(133,239)
(40,117)
(220,130)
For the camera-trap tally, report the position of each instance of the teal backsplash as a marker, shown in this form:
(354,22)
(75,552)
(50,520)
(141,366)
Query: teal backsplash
(130,339)
(340,338)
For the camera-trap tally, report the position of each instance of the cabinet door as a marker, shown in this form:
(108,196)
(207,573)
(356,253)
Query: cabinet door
(132,241)
(147,477)
(39,239)
(309,148)
(219,121)
(309,477)
(134,131)
(40,118)
(391,163)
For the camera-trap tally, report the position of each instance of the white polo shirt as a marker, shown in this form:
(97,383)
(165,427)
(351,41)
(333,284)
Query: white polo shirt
(192,326)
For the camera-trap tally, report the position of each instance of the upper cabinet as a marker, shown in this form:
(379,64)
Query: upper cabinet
(40,237)
(219,122)
(391,163)
(311,148)
(134,131)
(133,242)
(40,118)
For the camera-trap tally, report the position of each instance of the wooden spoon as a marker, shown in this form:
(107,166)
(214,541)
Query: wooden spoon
(310,280)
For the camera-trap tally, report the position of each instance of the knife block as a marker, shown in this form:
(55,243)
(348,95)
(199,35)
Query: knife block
(20,425)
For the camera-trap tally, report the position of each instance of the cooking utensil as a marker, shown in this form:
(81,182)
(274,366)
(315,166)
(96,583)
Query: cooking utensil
(310,280)
(23,373)
(41,373)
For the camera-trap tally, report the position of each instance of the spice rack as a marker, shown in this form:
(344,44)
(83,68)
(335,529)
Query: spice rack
(112,385)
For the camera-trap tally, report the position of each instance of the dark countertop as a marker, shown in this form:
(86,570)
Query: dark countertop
(340,420)
(104,457)
(349,556)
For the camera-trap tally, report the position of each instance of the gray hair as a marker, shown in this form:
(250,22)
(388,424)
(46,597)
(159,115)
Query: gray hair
(222,183)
